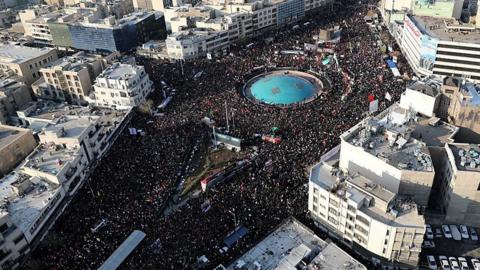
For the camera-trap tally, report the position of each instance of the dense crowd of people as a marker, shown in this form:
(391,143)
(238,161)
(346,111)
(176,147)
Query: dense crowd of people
(136,179)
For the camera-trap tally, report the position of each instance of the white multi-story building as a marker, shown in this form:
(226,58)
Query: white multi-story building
(122,86)
(196,42)
(371,190)
(441,47)
(364,214)
(71,140)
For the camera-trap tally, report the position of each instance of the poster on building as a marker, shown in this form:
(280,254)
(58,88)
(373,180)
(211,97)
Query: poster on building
(428,51)
(439,8)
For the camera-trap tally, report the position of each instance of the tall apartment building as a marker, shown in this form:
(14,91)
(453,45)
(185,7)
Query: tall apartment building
(364,214)
(25,61)
(15,144)
(13,95)
(70,78)
(441,47)
(122,86)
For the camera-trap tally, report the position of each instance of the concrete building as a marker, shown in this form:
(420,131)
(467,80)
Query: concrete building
(196,42)
(91,29)
(364,214)
(441,47)
(36,193)
(15,144)
(383,149)
(122,86)
(25,61)
(70,78)
(292,244)
(180,18)
(460,184)
(422,97)
(13,94)
(464,107)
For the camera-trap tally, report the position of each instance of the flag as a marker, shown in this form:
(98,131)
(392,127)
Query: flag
(371,98)
(388,96)
(206,206)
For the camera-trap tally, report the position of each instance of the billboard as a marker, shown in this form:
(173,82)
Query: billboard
(428,51)
(433,8)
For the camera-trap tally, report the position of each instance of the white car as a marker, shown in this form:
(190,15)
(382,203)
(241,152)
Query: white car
(446,231)
(444,262)
(464,232)
(463,263)
(473,234)
(475,263)
(454,263)
(432,264)
(429,232)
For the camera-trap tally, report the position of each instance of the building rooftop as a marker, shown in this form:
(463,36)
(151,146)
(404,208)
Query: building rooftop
(74,63)
(18,54)
(467,156)
(10,134)
(447,29)
(388,207)
(24,197)
(429,89)
(67,127)
(50,158)
(433,131)
(119,71)
(388,137)
(293,245)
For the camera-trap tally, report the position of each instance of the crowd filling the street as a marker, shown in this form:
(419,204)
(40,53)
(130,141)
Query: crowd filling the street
(134,182)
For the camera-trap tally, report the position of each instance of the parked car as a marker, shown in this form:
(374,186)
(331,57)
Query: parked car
(456,235)
(473,234)
(463,263)
(444,262)
(446,231)
(454,263)
(429,232)
(432,264)
(475,263)
(438,233)
(428,244)
(464,232)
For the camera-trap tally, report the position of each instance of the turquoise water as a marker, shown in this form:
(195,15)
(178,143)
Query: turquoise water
(282,89)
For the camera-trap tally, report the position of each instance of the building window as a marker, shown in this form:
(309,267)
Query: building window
(315,208)
(315,199)
(18,239)
(362,220)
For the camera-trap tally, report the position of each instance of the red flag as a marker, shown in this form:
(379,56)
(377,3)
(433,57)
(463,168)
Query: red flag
(371,98)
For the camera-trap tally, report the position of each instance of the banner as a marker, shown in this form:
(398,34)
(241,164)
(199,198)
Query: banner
(325,50)
(310,47)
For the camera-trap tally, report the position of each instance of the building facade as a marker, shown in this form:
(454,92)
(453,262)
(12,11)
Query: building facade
(15,145)
(122,86)
(70,78)
(25,62)
(13,95)
(435,46)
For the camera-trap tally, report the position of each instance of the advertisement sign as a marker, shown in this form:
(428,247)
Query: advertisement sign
(428,51)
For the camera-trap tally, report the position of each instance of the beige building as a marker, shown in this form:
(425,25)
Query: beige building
(25,61)
(143,4)
(15,145)
(69,78)
(460,190)
(13,94)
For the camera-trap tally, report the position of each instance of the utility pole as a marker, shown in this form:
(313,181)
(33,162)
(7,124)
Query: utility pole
(226,115)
